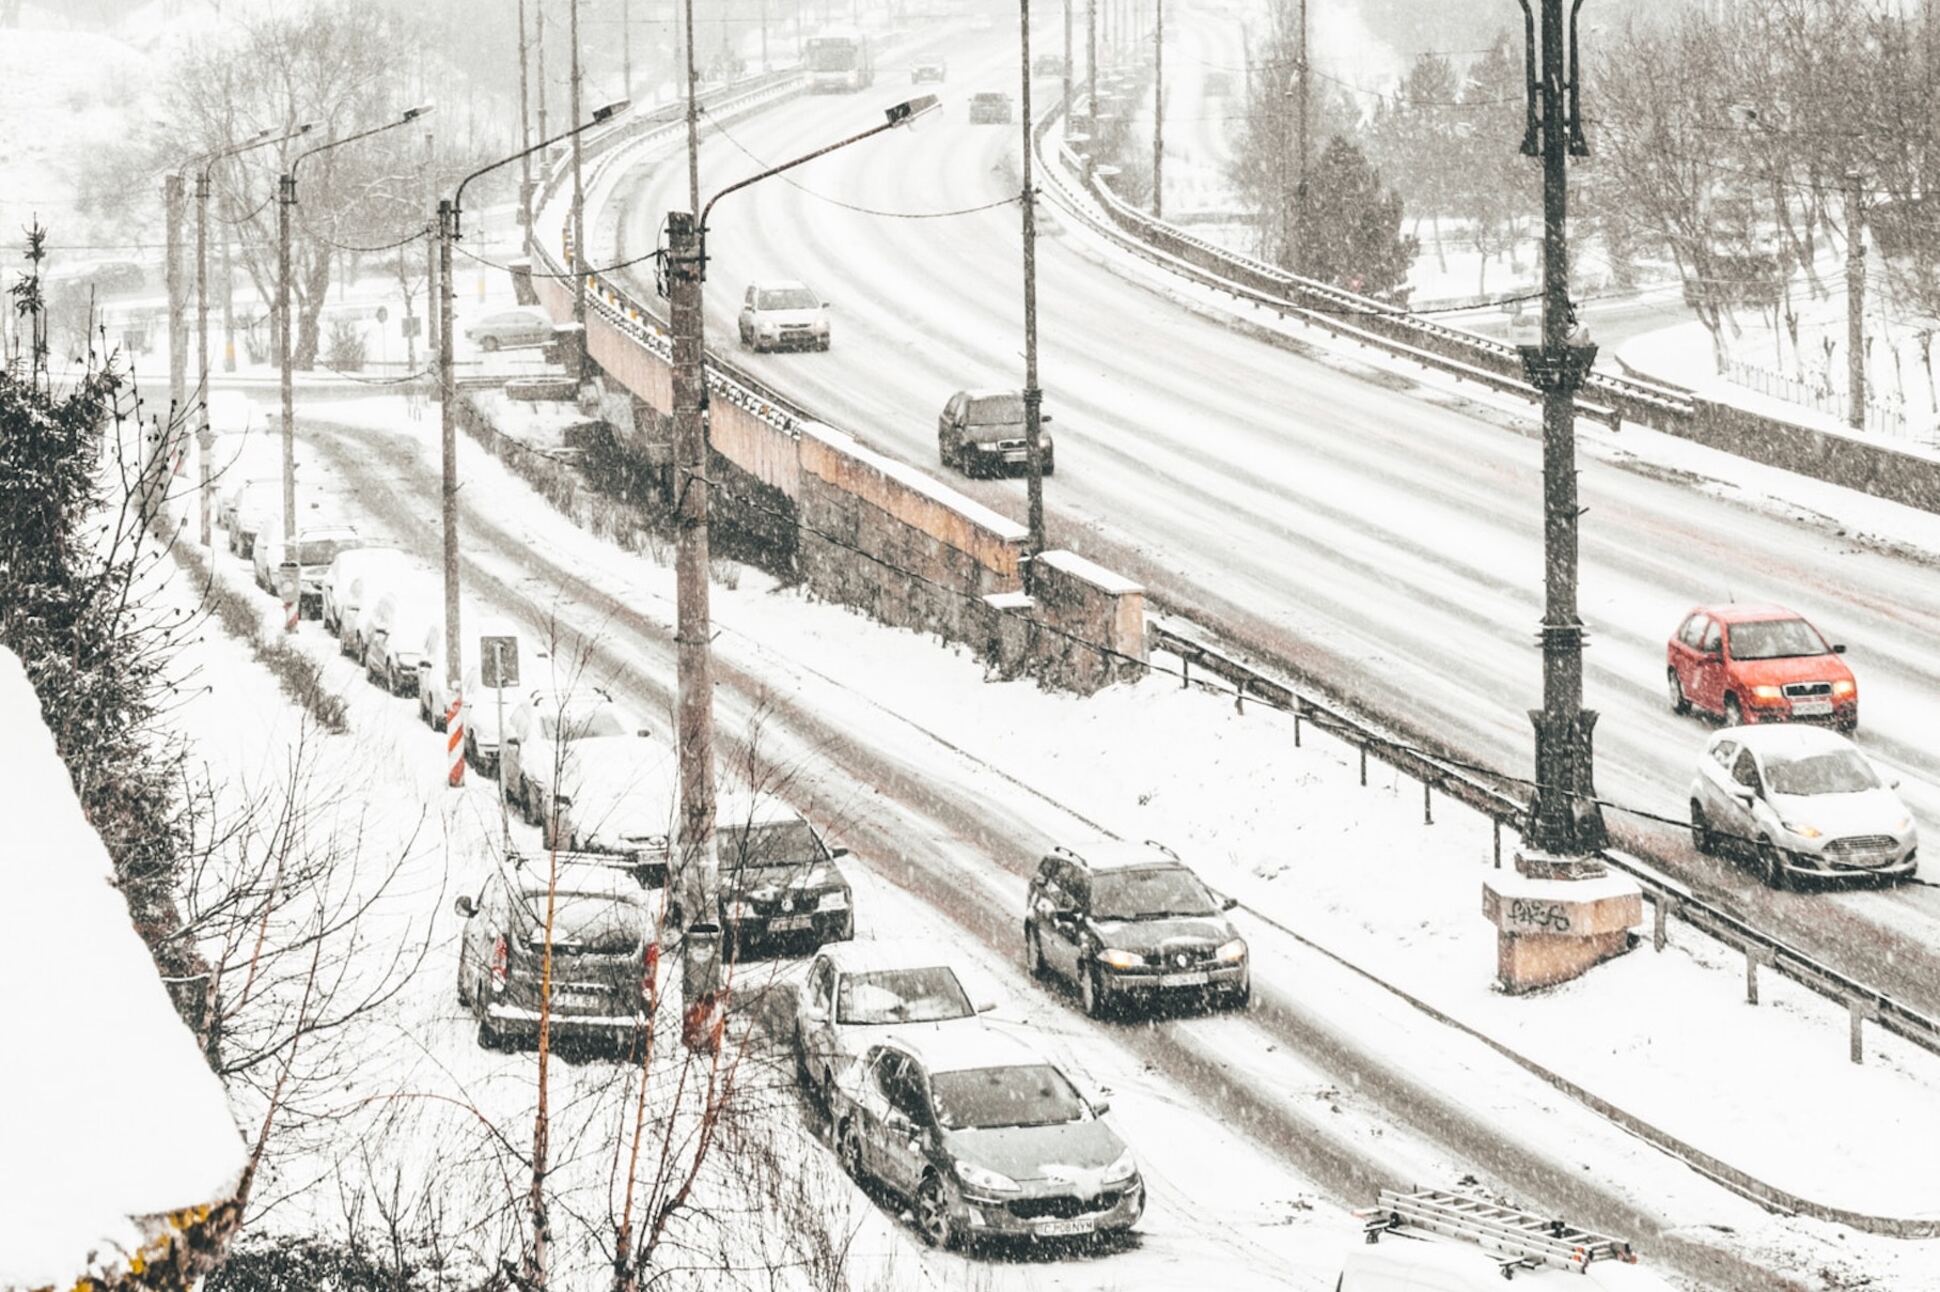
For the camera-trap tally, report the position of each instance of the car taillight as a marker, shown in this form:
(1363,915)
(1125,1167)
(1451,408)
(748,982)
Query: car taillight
(501,960)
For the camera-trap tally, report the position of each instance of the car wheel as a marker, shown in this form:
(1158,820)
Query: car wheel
(1734,714)
(1034,955)
(1091,991)
(1701,837)
(1050,466)
(526,809)
(1241,997)
(848,1150)
(489,345)
(489,1036)
(1771,864)
(933,1213)
(1679,702)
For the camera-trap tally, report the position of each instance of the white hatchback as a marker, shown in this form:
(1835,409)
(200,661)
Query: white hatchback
(858,992)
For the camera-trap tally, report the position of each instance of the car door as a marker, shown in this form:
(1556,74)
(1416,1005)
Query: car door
(474,941)
(906,1125)
(1743,814)
(815,1021)
(1714,779)
(948,422)
(747,313)
(1707,668)
(1683,650)
(872,1107)
(1063,939)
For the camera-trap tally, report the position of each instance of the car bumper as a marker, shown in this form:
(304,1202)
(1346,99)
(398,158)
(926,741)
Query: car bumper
(792,340)
(822,926)
(1064,1215)
(1840,713)
(1199,978)
(1898,862)
(516,1020)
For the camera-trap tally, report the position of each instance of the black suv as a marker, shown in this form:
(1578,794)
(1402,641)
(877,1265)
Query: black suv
(605,928)
(1129,919)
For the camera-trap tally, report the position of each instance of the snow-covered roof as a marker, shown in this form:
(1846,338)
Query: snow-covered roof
(1748,612)
(113,1117)
(961,1049)
(739,809)
(877,956)
(1793,740)
(1121,854)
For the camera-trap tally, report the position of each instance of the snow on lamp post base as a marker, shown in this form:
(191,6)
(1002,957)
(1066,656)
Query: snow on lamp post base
(1555,917)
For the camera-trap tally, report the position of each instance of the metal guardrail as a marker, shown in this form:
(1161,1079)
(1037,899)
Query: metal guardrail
(1668,897)
(1380,324)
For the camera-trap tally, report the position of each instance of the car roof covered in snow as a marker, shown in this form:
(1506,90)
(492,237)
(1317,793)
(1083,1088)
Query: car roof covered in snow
(1748,612)
(778,285)
(965,1049)
(739,809)
(1121,854)
(878,956)
(1789,740)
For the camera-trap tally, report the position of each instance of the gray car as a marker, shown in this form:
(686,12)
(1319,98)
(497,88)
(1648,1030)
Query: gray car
(983,431)
(509,329)
(985,1137)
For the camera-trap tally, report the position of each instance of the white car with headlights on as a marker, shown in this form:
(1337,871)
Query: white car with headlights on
(1800,801)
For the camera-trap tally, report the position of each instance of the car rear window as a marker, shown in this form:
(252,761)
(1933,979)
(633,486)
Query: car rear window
(902,996)
(1023,1095)
(999,410)
(587,923)
(1837,771)
(1775,639)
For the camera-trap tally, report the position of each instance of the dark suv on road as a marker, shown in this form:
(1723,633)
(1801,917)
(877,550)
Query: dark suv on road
(983,430)
(1130,920)
(605,926)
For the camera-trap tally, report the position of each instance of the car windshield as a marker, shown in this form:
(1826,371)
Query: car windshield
(1775,639)
(786,298)
(1148,893)
(322,551)
(769,843)
(999,410)
(578,724)
(984,1098)
(1837,771)
(597,923)
(901,996)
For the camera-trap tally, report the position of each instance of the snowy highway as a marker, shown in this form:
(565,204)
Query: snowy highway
(1340,518)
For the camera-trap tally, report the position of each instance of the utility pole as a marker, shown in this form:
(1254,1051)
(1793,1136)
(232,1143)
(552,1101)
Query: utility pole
(178,328)
(1067,59)
(626,51)
(1158,110)
(525,140)
(699,880)
(693,120)
(579,198)
(764,37)
(285,199)
(1856,300)
(1297,233)
(448,496)
(204,440)
(1033,397)
(1091,86)
(539,50)
(1565,818)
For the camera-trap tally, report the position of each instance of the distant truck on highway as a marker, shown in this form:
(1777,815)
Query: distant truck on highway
(838,62)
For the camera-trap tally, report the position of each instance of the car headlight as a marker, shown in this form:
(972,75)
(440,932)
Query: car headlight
(1121,1171)
(1843,686)
(1803,831)
(985,1180)
(835,901)
(1114,959)
(1767,693)
(1232,952)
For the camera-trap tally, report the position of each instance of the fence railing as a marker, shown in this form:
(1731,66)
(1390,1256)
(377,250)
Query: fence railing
(1885,415)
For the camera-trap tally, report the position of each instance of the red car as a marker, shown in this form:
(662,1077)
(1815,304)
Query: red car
(1759,664)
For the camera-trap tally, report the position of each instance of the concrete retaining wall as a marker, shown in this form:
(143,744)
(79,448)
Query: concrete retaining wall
(1864,464)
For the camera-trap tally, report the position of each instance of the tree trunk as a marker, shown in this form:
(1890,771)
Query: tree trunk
(309,310)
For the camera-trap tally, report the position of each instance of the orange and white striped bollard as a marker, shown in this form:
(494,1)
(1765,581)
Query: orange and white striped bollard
(455,740)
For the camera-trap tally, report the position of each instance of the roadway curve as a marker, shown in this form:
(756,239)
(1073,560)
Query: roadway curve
(1342,519)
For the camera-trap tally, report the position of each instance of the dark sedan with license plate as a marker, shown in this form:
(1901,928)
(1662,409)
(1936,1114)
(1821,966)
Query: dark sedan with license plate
(779,880)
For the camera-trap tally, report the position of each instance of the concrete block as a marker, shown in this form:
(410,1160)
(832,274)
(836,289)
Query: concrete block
(1552,930)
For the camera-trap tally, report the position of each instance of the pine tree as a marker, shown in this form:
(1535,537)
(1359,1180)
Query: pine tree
(1352,229)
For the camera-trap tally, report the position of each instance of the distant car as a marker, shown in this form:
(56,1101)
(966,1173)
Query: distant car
(370,589)
(1130,920)
(605,927)
(315,548)
(491,660)
(783,316)
(230,490)
(1800,801)
(341,585)
(990,107)
(258,506)
(617,795)
(510,329)
(1048,65)
(928,70)
(984,1136)
(983,430)
(859,992)
(1749,663)
(266,558)
(531,748)
(779,880)
(394,632)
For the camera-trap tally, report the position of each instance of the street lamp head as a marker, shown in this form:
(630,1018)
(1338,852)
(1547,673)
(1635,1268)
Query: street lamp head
(423,109)
(907,114)
(611,110)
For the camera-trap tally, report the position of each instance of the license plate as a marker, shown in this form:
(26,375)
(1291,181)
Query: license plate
(1812,708)
(1184,980)
(1063,1228)
(790,923)
(1015,455)
(578,1000)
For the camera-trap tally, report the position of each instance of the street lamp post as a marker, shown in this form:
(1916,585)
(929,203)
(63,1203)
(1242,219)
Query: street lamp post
(204,437)
(684,268)
(1033,396)
(285,200)
(448,231)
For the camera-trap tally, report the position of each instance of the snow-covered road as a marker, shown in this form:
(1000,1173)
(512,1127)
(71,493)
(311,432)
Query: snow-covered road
(1346,520)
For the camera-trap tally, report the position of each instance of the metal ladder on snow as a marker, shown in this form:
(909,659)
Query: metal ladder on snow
(1517,1239)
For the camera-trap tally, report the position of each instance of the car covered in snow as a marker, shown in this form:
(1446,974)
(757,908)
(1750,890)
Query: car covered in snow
(990,108)
(254,507)
(928,70)
(1800,801)
(983,431)
(1753,663)
(605,938)
(616,794)
(856,993)
(369,588)
(393,634)
(510,329)
(266,558)
(985,1137)
(316,547)
(492,658)
(783,315)
(1130,920)
(341,590)
(538,732)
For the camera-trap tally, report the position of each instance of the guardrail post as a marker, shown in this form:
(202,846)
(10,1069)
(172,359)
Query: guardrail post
(1754,956)
(1296,724)
(1497,831)
(1661,909)
(1427,804)
(1364,764)
(1860,1011)
(1239,698)
(1185,672)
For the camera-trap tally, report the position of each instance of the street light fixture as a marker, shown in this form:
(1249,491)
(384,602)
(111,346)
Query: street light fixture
(286,198)
(448,218)
(697,882)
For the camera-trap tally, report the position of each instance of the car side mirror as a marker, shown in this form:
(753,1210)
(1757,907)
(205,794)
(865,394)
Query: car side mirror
(1838,648)
(985,1006)
(838,852)
(511,740)
(1065,919)
(1044,419)
(1744,793)
(1228,903)
(465,907)
(1099,1107)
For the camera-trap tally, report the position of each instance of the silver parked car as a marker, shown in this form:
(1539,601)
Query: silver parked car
(783,316)
(985,1137)
(858,993)
(510,329)
(1800,801)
